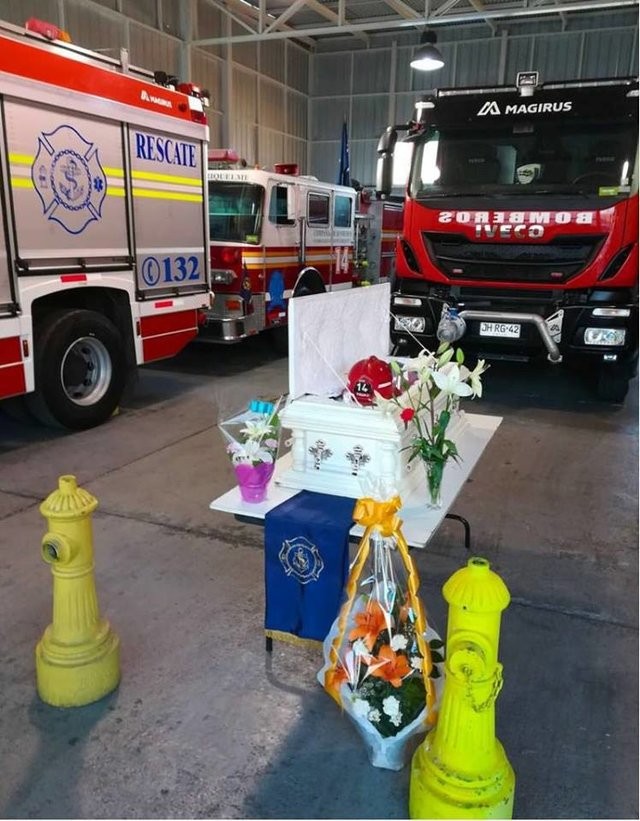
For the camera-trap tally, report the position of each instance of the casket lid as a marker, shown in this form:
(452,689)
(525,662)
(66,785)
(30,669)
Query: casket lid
(329,333)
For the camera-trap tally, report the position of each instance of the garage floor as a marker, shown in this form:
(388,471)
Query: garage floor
(204,724)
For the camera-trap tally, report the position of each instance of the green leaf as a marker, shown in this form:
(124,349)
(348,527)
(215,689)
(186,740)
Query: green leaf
(442,347)
(459,356)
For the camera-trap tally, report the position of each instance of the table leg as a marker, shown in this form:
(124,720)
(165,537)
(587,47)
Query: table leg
(268,644)
(467,528)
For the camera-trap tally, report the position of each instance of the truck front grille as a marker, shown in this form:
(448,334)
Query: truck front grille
(460,258)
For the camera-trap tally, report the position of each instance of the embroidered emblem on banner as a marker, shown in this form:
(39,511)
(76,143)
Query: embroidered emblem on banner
(301,559)
(69,179)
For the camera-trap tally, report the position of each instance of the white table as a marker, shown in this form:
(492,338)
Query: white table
(419,521)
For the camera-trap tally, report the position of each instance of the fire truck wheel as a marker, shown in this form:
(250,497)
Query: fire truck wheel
(613,384)
(80,370)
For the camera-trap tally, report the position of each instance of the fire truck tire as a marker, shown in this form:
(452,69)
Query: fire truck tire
(613,384)
(80,370)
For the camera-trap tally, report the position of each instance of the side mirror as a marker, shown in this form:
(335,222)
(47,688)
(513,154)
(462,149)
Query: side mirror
(384,171)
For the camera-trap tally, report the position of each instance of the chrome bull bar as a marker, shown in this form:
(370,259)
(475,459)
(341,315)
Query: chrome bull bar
(553,352)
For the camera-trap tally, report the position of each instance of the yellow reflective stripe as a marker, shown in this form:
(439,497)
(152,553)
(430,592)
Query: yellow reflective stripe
(152,175)
(25,182)
(21,159)
(166,195)
(114,172)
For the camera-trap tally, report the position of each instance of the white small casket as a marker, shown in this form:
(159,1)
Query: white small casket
(337,446)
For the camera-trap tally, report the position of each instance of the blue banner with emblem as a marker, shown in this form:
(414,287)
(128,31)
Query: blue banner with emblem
(306,564)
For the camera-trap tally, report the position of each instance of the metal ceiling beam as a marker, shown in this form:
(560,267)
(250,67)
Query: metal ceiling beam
(480,7)
(444,7)
(254,13)
(403,9)
(322,10)
(285,15)
(356,29)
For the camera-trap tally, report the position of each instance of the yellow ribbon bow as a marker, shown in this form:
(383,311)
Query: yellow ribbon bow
(379,515)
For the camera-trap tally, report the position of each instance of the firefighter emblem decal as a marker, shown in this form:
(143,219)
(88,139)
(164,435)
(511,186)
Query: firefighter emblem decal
(69,179)
(301,559)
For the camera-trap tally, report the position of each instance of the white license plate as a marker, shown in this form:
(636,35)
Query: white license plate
(504,329)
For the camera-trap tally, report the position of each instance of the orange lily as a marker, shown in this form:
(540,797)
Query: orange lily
(390,666)
(369,624)
(336,677)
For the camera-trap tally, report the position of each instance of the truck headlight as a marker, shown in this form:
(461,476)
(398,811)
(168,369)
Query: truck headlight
(605,336)
(415,324)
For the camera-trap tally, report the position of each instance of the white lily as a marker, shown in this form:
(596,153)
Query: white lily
(449,381)
(474,377)
(256,429)
(251,451)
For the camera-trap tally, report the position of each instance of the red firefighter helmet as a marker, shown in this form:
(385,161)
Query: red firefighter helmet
(367,376)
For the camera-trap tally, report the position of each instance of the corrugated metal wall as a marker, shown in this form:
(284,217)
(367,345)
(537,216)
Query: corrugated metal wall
(274,102)
(357,85)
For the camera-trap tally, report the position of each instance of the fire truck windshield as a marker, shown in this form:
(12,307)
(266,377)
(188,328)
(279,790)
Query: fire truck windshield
(235,212)
(578,158)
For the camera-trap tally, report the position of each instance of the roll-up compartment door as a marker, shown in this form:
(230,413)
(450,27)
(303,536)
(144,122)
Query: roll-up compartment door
(168,211)
(67,185)
(7,299)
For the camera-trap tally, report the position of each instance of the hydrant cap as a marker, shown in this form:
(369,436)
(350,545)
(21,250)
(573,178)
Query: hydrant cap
(69,501)
(476,588)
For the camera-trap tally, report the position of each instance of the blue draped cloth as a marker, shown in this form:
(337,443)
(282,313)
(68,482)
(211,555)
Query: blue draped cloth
(306,564)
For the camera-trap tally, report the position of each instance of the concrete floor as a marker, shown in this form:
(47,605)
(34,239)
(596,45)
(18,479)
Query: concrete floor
(204,724)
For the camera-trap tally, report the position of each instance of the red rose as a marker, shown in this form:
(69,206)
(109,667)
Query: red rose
(407,414)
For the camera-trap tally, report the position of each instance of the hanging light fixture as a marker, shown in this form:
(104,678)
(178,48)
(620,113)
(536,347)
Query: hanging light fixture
(427,57)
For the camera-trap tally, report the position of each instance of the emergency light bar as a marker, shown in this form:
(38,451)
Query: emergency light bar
(48,30)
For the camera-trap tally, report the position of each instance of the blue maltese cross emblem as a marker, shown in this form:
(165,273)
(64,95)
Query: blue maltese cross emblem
(69,179)
(301,559)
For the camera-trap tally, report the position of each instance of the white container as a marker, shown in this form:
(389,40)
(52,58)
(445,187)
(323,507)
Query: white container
(337,446)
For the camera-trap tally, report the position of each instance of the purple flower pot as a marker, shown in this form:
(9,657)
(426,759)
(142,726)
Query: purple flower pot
(253,480)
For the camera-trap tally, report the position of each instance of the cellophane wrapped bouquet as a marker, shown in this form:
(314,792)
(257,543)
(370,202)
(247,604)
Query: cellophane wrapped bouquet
(382,661)
(253,440)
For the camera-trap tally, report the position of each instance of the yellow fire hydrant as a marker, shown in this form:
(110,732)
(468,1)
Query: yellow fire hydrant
(78,656)
(461,769)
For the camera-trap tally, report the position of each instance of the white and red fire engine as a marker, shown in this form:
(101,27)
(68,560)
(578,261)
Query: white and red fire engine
(274,235)
(103,223)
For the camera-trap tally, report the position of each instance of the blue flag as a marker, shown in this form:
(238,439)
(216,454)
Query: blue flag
(306,548)
(344,176)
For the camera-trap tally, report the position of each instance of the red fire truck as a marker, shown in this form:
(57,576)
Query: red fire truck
(103,224)
(274,235)
(521,215)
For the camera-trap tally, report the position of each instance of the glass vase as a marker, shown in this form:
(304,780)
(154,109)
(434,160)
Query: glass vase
(253,480)
(434,471)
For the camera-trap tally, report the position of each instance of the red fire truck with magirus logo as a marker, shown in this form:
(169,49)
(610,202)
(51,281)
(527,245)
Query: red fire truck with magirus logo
(274,235)
(521,218)
(103,224)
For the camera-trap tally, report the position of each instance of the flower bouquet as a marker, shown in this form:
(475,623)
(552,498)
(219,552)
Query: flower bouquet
(253,439)
(429,388)
(382,661)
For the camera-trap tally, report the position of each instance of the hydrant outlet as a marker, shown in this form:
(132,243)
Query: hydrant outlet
(56,549)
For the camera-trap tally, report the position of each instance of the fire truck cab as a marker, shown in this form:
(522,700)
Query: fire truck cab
(103,224)
(521,216)
(274,235)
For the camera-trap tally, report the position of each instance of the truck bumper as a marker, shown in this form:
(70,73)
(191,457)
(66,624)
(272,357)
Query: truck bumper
(560,326)
(231,326)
